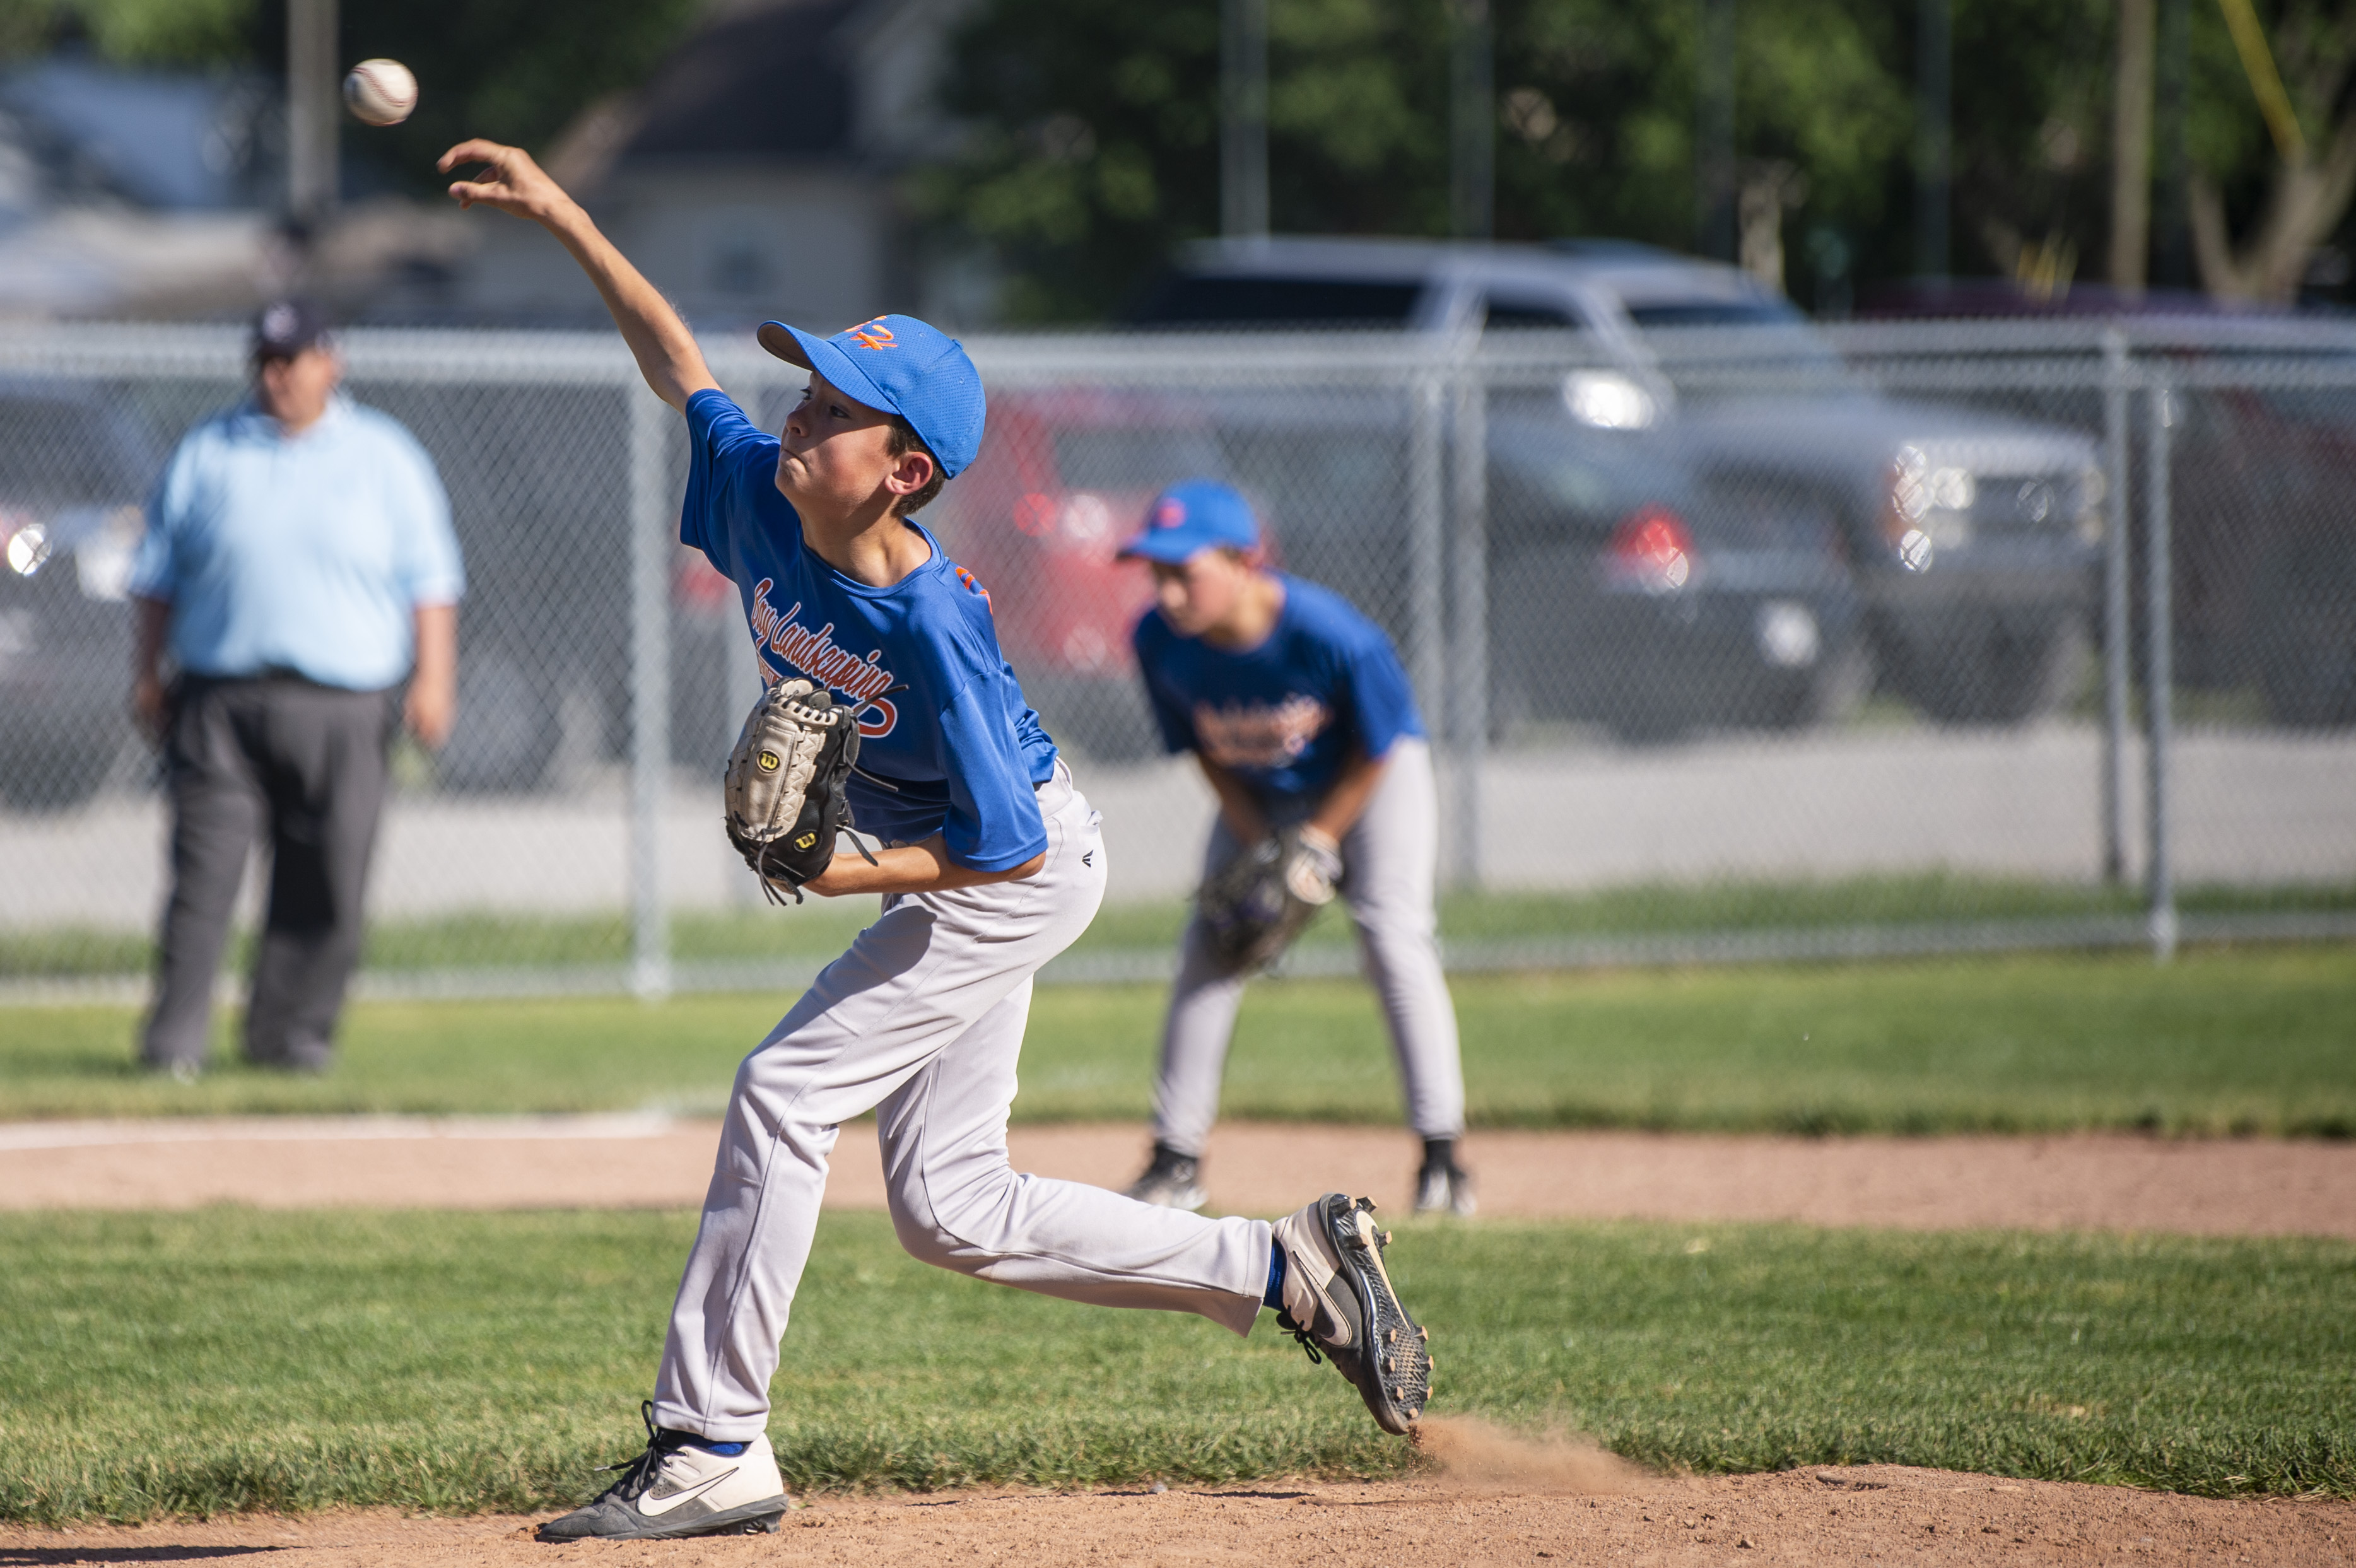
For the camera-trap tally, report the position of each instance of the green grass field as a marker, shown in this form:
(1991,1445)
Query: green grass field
(226,1359)
(2254,1041)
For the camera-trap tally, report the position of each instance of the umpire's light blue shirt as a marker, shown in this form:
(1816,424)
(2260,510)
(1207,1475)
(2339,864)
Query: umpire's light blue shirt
(307,553)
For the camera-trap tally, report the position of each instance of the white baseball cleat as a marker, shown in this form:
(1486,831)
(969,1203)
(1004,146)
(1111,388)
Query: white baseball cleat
(1338,1300)
(681,1487)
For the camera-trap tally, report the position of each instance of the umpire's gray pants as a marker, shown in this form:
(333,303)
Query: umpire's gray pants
(922,1021)
(308,764)
(1391,860)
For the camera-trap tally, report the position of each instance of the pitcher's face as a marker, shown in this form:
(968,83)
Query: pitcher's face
(834,455)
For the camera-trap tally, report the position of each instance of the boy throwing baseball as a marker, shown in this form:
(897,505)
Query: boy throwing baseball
(1299,713)
(991,864)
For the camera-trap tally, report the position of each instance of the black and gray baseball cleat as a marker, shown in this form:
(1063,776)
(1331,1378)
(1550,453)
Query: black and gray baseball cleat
(1338,1302)
(1442,1187)
(682,1484)
(1174,1180)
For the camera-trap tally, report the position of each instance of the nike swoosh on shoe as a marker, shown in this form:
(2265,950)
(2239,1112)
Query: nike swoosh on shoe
(650,1504)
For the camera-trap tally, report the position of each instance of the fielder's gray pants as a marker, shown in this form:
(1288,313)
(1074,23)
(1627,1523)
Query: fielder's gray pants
(306,764)
(922,1022)
(1389,861)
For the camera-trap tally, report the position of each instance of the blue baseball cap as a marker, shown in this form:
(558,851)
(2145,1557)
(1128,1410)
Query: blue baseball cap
(902,366)
(1188,518)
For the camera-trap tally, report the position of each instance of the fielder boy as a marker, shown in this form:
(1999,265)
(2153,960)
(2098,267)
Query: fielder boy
(991,864)
(1297,708)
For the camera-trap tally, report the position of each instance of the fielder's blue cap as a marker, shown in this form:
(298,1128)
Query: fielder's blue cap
(1199,515)
(902,366)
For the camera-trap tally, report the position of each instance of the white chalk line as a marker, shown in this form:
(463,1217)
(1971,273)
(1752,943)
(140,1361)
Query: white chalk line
(27,1136)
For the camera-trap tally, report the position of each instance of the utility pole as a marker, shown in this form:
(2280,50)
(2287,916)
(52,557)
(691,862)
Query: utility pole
(1243,119)
(1714,133)
(2171,229)
(1934,114)
(2131,150)
(311,94)
(1472,121)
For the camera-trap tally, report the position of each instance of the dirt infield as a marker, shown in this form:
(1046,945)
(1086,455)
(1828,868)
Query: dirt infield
(1499,1499)
(1880,1513)
(2098,1181)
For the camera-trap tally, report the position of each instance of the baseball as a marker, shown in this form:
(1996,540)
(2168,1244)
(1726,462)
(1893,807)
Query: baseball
(382,93)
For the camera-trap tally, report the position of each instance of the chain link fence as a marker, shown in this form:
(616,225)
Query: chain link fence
(1735,644)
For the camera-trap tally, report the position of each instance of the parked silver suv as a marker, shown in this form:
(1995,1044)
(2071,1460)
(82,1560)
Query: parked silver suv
(1970,538)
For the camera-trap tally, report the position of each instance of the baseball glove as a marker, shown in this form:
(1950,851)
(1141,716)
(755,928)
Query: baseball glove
(1258,903)
(785,778)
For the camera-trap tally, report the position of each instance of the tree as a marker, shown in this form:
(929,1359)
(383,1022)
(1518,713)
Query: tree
(129,32)
(2290,202)
(1094,135)
(1093,144)
(1598,113)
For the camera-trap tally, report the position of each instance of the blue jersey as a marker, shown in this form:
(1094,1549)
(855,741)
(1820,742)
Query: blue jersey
(1283,715)
(943,727)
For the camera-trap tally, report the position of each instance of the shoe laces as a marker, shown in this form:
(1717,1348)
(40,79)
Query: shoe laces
(641,1473)
(1302,1337)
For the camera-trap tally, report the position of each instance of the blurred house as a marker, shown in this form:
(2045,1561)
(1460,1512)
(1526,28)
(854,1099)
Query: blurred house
(751,176)
(156,195)
(133,193)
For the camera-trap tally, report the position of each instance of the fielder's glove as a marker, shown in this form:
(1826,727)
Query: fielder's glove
(785,779)
(1258,903)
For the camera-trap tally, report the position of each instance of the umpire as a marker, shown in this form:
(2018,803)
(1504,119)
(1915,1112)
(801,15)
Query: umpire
(299,562)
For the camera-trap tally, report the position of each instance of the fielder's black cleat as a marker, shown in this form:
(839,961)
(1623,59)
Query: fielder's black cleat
(1442,1187)
(1174,1180)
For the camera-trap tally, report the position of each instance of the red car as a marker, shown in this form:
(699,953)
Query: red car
(1063,478)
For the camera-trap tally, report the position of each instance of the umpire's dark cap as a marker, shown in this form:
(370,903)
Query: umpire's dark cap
(286,327)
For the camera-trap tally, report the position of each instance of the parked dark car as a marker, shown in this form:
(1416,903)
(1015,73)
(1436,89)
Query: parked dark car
(2263,508)
(539,488)
(1626,586)
(2265,516)
(1628,592)
(1970,541)
(73,470)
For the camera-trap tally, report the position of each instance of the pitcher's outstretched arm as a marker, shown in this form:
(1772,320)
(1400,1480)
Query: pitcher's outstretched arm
(510,180)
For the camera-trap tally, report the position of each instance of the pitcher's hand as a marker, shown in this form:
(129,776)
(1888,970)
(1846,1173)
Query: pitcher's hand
(510,181)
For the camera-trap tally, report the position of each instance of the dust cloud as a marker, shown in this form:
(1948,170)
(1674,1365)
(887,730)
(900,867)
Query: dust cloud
(1477,1455)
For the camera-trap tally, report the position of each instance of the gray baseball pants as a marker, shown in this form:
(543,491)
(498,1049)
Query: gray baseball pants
(308,764)
(922,1022)
(1391,860)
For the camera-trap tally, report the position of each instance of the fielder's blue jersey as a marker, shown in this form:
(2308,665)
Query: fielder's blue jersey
(957,752)
(1284,715)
